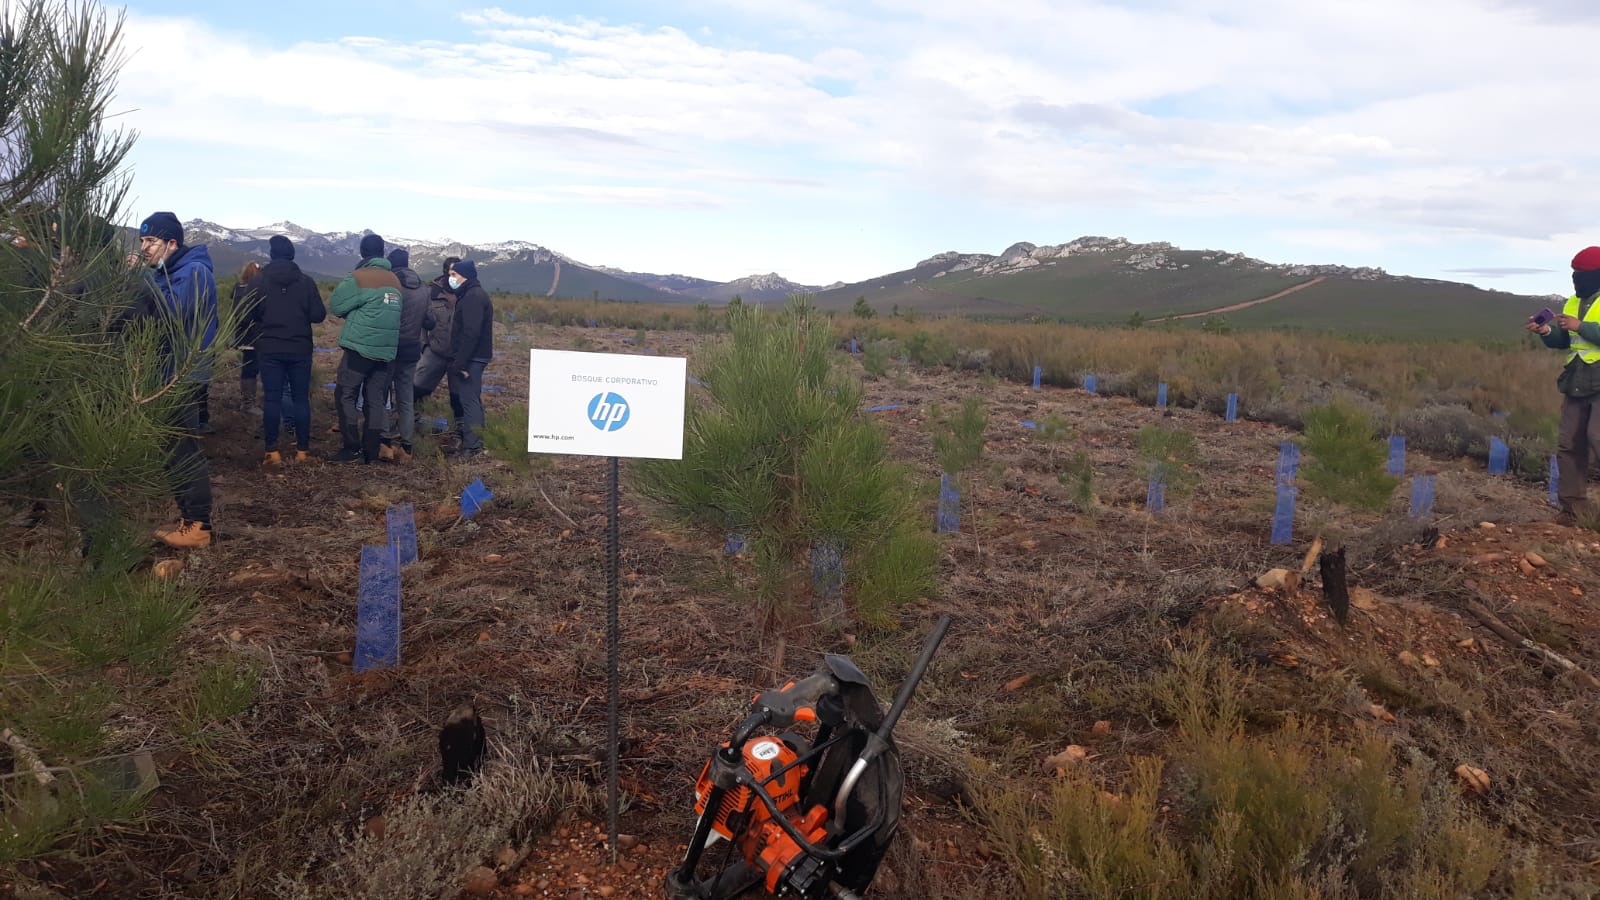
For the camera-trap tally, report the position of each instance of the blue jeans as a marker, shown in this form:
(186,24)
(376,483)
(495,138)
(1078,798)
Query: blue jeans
(286,373)
(470,390)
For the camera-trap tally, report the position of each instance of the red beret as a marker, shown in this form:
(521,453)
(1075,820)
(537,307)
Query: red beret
(1587,260)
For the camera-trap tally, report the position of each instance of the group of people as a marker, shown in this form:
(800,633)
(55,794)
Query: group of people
(401,337)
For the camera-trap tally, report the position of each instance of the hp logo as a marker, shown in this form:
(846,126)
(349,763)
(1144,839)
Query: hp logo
(608,411)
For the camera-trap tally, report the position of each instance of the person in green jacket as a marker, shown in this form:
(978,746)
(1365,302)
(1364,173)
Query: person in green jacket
(368,299)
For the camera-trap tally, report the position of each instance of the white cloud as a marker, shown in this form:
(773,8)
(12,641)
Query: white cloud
(1349,122)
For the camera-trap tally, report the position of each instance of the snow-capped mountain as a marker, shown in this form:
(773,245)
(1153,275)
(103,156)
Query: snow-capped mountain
(513,265)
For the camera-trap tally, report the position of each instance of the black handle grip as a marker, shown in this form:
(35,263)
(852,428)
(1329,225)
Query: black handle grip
(914,678)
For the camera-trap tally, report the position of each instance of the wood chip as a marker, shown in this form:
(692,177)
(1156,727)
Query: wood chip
(1311,557)
(1016,684)
(1069,758)
(1473,779)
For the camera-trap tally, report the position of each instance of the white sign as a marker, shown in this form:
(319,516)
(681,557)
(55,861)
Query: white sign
(606,404)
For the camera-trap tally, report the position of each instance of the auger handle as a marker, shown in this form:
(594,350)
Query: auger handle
(879,741)
(914,678)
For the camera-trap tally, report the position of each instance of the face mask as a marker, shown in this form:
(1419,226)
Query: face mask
(455,282)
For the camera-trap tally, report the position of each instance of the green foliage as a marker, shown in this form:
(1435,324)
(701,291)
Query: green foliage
(775,448)
(863,309)
(220,691)
(903,568)
(1292,812)
(1346,462)
(875,357)
(930,348)
(91,618)
(1136,319)
(505,436)
(1054,430)
(958,438)
(36,819)
(1077,476)
(1171,454)
(705,321)
(88,412)
(61,625)
(1216,325)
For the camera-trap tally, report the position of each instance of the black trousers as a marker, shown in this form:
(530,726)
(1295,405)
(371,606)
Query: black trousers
(187,465)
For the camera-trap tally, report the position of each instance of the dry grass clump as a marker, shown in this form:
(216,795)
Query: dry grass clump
(429,841)
(1291,812)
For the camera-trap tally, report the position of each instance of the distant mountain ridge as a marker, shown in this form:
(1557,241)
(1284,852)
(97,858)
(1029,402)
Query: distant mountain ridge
(1091,279)
(512,266)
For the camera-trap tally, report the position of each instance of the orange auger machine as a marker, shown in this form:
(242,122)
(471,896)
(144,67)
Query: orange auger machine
(803,818)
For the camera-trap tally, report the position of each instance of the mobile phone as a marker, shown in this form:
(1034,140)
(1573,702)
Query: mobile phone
(1543,316)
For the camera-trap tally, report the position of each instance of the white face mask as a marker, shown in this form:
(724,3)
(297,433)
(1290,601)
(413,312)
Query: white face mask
(455,282)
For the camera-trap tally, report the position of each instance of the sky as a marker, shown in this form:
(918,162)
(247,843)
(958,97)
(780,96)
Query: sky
(839,140)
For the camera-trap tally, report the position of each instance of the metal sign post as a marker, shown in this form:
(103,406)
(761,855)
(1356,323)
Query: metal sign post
(612,405)
(613,639)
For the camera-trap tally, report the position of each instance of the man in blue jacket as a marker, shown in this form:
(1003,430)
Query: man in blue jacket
(185,294)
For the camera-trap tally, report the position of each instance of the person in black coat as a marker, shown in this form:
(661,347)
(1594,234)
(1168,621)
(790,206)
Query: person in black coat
(288,303)
(471,348)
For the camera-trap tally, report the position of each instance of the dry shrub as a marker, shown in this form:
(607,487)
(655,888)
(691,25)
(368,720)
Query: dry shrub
(1292,812)
(1277,375)
(430,840)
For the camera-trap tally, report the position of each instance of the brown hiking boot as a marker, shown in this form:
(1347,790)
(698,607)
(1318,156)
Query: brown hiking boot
(273,458)
(187,535)
(400,454)
(385,453)
(301,456)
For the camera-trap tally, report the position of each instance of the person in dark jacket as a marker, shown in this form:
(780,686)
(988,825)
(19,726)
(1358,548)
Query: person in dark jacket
(471,348)
(368,299)
(245,340)
(415,317)
(436,346)
(184,290)
(287,305)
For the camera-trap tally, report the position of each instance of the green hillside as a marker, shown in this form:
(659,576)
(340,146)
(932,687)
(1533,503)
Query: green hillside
(1430,309)
(1093,288)
(1108,287)
(1101,288)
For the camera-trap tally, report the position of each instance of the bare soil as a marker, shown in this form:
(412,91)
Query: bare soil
(1057,611)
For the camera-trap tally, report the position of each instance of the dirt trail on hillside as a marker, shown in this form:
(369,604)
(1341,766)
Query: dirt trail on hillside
(557,282)
(1245,305)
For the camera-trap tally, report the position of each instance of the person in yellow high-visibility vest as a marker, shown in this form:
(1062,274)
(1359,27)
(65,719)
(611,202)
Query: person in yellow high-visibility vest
(1577,331)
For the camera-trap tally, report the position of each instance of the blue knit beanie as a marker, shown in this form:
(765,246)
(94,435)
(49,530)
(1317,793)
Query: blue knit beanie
(162,225)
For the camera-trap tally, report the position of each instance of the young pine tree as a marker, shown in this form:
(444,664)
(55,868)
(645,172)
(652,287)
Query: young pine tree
(88,406)
(1346,459)
(776,449)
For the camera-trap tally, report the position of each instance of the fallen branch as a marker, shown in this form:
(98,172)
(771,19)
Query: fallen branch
(27,758)
(564,516)
(1551,659)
